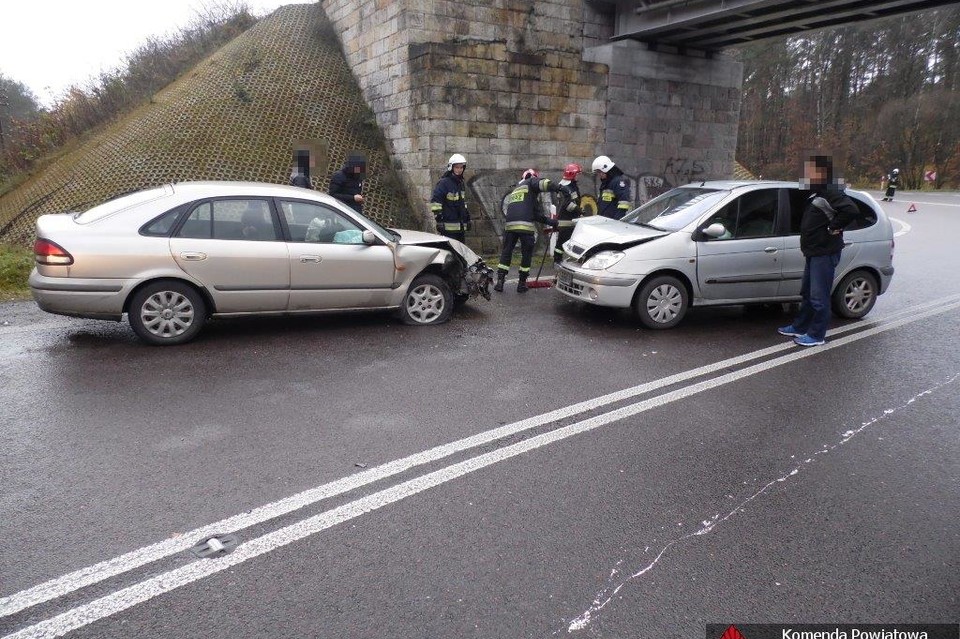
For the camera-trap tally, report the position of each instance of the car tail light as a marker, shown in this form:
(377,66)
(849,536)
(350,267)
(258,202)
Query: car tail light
(47,252)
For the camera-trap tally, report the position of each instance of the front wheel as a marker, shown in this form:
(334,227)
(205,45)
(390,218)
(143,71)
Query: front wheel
(855,295)
(166,313)
(662,302)
(429,300)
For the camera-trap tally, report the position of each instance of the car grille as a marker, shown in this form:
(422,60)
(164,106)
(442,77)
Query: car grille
(576,250)
(568,285)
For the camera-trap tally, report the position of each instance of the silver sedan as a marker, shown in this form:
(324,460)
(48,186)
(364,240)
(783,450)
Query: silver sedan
(173,256)
(717,243)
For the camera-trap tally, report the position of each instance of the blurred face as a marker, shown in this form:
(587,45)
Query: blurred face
(459,168)
(601,174)
(814,174)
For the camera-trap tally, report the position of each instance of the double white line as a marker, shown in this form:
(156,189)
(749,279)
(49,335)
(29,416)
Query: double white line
(146,590)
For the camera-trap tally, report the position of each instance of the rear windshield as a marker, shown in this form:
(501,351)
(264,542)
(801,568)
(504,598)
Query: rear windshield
(122,203)
(675,209)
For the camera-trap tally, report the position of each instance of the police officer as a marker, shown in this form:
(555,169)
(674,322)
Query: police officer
(347,184)
(614,193)
(447,204)
(523,209)
(893,181)
(568,209)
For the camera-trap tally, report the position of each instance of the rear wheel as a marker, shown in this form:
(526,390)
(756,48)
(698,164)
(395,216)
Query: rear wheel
(662,302)
(429,300)
(166,313)
(855,295)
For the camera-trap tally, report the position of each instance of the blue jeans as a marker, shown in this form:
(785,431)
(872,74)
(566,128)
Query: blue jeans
(814,315)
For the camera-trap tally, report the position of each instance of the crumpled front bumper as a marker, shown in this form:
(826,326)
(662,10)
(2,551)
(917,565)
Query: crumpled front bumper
(590,286)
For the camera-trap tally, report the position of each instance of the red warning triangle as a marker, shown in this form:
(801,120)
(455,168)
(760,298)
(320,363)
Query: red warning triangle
(732,633)
(913,208)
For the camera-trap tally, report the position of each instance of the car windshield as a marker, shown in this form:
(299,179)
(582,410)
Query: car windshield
(675,209)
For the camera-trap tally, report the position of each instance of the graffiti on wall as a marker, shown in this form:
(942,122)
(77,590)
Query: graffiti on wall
(683,170)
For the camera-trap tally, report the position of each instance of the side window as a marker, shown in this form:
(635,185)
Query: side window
(161,226)
(866,219)
(319,224)
(231,220)
(728,217)
(199,224)
(758,213)
(798,202)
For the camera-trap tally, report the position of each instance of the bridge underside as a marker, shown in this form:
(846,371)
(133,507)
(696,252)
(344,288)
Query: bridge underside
(708,25)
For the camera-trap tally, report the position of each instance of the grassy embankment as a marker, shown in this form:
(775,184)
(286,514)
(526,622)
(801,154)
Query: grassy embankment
(15,265)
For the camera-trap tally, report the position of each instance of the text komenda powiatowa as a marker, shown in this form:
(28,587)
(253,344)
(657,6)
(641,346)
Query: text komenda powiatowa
(854,633)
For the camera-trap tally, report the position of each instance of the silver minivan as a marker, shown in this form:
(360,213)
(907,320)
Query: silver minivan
(719,243)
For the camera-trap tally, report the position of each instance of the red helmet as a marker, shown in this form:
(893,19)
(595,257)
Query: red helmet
(571,171)
(530,173)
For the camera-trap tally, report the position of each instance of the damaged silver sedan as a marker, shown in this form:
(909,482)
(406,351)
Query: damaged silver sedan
(172,257)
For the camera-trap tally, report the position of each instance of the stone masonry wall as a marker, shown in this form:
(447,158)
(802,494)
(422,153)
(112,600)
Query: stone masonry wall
(513,84)
(502,82)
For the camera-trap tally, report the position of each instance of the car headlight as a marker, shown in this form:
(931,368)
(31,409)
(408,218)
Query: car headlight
(603,260)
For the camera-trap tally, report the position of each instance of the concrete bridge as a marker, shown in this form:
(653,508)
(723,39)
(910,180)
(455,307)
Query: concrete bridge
(709,25)
(512,83)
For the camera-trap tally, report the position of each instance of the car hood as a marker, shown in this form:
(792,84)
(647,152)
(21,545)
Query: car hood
(408,237)
(593,233)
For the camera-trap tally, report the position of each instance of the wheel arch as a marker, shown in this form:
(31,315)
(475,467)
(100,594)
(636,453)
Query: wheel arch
(666,271)
(201,290)
(862,267)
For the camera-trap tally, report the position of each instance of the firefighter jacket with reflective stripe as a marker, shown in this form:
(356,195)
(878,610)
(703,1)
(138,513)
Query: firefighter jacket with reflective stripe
(448,203)
(614,197)
(523,205)
(568,209)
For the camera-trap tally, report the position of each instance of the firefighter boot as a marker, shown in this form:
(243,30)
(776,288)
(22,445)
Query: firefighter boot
(522,284)
(498,287)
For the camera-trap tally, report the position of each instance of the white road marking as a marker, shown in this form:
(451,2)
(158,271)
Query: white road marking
(166,582)
(606,595)
(904,227)
(96,573)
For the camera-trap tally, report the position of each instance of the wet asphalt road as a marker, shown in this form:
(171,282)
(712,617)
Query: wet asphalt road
(819,489)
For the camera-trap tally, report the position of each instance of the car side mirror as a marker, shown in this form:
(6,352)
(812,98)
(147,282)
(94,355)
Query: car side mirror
(715,230)
(369,238)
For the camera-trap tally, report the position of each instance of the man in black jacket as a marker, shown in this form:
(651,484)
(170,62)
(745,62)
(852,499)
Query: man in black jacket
(347,184)
(523,209)
(828,210)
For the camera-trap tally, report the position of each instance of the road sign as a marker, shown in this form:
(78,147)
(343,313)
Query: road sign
(930,176)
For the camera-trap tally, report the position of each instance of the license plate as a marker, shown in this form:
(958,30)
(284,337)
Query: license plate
(565,278)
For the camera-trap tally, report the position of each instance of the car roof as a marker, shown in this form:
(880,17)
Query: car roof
(729,185)
(213,189)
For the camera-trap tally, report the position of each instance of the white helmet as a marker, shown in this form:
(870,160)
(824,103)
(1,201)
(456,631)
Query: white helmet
(456,158)
(602,163)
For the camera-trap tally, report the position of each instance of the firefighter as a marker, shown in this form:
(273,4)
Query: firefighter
(523,209)
(614,193)
(568,209)
(893,181)
(448,203)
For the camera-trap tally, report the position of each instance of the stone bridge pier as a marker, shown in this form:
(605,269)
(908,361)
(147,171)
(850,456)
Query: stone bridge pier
(513,84)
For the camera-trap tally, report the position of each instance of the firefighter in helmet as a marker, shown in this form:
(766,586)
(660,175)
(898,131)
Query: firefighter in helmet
(614,193)
(568,209)
(523,209)
(448,203)
(893,181)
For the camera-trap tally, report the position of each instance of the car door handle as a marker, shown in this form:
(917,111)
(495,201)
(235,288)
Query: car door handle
(316,259)
(193,257)
(770,249)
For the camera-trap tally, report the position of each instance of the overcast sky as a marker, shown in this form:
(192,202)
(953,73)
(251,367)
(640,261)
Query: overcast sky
(49,45)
